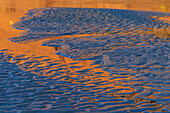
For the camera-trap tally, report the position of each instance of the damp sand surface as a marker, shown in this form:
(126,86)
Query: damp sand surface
(116,61)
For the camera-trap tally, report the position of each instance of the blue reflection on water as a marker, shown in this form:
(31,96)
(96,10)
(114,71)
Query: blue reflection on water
(137,62)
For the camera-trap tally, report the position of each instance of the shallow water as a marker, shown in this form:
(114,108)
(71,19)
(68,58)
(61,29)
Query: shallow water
(106,60)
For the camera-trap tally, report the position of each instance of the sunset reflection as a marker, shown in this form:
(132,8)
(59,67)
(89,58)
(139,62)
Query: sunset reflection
(123,78)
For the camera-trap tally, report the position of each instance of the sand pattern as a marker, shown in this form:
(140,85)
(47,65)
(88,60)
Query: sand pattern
(136,61)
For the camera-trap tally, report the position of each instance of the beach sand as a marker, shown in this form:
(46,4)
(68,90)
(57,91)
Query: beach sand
(12,10)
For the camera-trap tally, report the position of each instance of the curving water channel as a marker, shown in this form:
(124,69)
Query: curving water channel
(86,60)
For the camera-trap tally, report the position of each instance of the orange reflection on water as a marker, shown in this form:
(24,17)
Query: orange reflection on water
(12,10)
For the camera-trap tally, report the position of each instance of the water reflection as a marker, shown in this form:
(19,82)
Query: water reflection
(88,89)
(56,83)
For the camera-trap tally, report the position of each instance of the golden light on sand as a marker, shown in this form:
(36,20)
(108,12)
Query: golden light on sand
(12,10)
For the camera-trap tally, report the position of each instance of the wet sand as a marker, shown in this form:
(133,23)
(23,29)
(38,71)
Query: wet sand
(11,11)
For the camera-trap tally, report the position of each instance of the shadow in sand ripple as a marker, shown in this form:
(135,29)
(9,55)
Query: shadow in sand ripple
(77,91)
(128,68)
(51,22)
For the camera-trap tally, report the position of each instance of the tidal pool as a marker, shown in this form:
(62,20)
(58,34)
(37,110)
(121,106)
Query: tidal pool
(118,61)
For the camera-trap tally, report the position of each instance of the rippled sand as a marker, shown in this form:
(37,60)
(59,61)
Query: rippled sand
(122,65)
